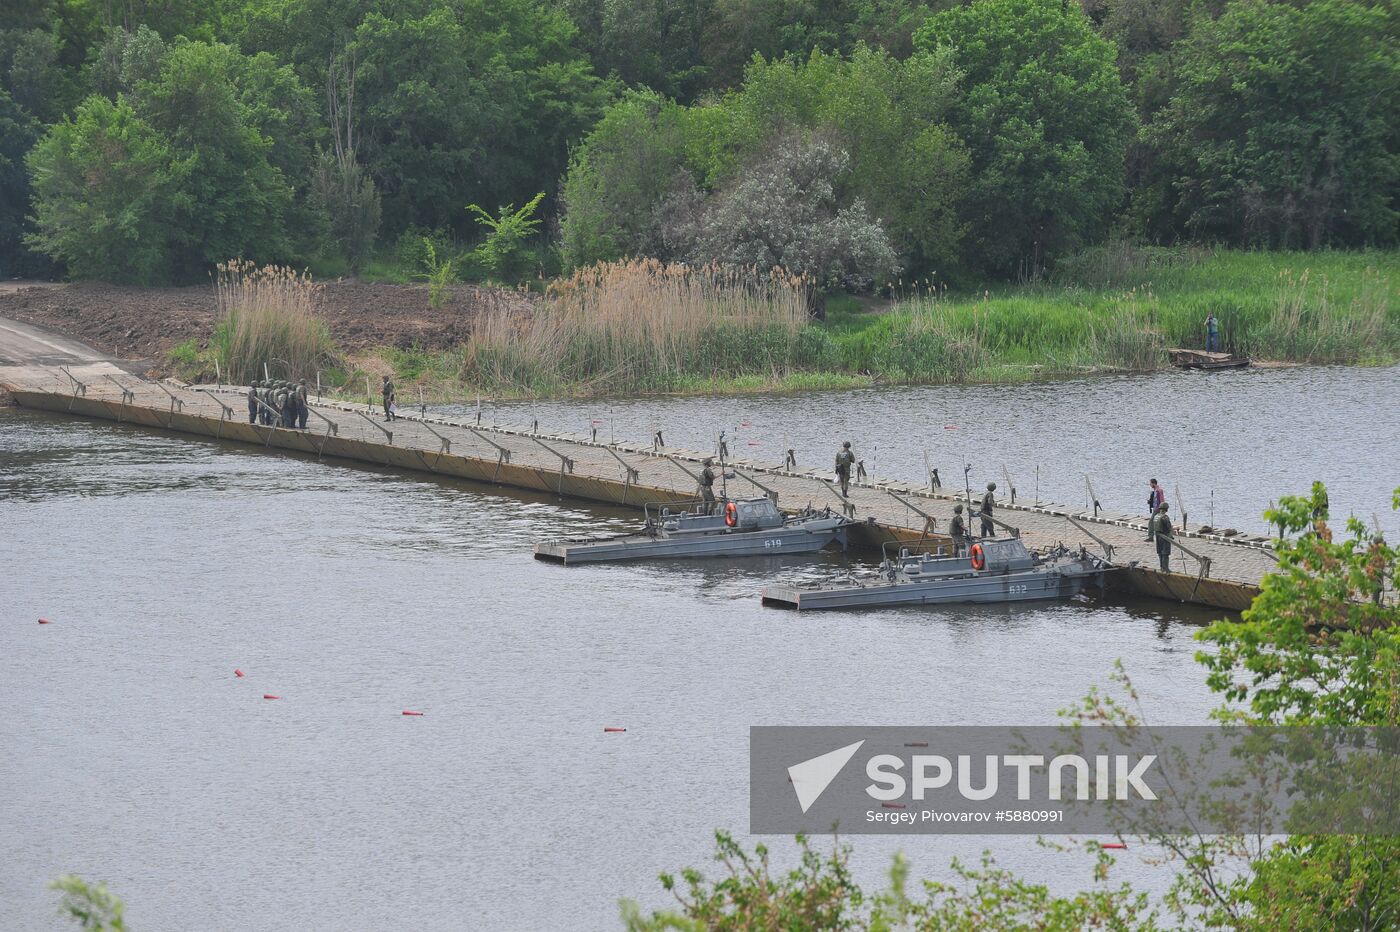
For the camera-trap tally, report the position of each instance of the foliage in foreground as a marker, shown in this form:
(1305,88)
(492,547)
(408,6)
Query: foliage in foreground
(820,894)
(92,906)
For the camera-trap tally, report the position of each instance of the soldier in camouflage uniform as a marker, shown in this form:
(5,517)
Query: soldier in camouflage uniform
(302,410)
(707,487)
(989,505)
(957,529)
(253,402)
(1162,533)
(844,461)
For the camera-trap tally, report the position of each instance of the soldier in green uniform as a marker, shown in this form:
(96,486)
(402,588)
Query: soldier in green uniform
(388,393)
(844,461)
(280,402)
(1162,533)
(707,487)
(989,505)
(253,402)
(302,410)
(958,530)
(265,394)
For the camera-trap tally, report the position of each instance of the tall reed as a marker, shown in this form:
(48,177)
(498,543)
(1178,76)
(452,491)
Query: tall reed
(641,325)
(269,323)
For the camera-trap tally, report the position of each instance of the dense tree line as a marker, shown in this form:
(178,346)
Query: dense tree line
(854,140)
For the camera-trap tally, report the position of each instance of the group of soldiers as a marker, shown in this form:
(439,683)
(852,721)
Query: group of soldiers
(1159,526)
(277,402)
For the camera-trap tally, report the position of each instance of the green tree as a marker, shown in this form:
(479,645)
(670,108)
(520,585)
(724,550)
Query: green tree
(18,133)
(503,253)
(198,137)
(469,102)
(891,116)
(106,189)
(617,178)
(1047,121)
(1282,129)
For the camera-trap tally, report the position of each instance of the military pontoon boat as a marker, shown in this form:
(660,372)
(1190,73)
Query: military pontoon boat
(994,571)
(736,528)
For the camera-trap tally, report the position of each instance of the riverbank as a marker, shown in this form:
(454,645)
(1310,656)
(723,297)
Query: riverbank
(1109,310)
(641,328)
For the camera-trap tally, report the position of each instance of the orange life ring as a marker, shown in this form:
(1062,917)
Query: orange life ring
(979,559)
(731,514)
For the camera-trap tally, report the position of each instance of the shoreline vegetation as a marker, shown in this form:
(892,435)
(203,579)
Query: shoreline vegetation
(645,327)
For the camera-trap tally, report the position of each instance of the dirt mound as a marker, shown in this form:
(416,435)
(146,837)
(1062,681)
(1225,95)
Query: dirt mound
(144,323)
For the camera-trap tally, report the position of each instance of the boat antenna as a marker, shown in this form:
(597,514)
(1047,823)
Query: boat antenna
(967,483)
(723,472)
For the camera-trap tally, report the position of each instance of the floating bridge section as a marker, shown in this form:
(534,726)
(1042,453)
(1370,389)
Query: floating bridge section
(1206,569)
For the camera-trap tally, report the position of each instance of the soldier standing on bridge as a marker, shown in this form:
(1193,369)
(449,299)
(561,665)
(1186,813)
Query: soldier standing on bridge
(253,402)
(707,487)
(388,392)
(1162,532)
(989,505)
(302,410)
(1156,497)
(957,529)
(844,461)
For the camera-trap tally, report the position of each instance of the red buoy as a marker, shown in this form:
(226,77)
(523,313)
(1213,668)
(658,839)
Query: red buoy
(610,730)
(45,621)
(1114,844)
(950,427)
(410,712)
(916,744)
(238,673)
(755,443)
(270,696)
(894,806)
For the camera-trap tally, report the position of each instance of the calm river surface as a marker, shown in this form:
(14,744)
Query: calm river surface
(130,753)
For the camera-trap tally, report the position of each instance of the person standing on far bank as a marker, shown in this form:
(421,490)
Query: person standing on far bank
(389,396)
(1156,498)
(844,461)
(1212,333)
(1162,531)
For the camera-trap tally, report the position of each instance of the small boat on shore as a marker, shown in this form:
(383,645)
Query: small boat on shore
(1205,359)
(995,571)
(736,528)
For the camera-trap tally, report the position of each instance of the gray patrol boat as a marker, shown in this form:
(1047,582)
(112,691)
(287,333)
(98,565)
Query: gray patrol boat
(994,571)
(737,528)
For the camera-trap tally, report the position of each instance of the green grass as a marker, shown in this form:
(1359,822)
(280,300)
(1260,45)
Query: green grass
(1109,309)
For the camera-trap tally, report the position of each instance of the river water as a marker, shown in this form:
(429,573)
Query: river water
(129,751)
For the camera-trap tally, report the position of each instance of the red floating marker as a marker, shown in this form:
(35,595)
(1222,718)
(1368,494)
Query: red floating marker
(916,744)
(411,712)
(755,443)
(1114,844)
(894,806)
(597,420)
(238,673)
(743,423)
(270,696)
(45,621)
(610,730)
(950,427)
